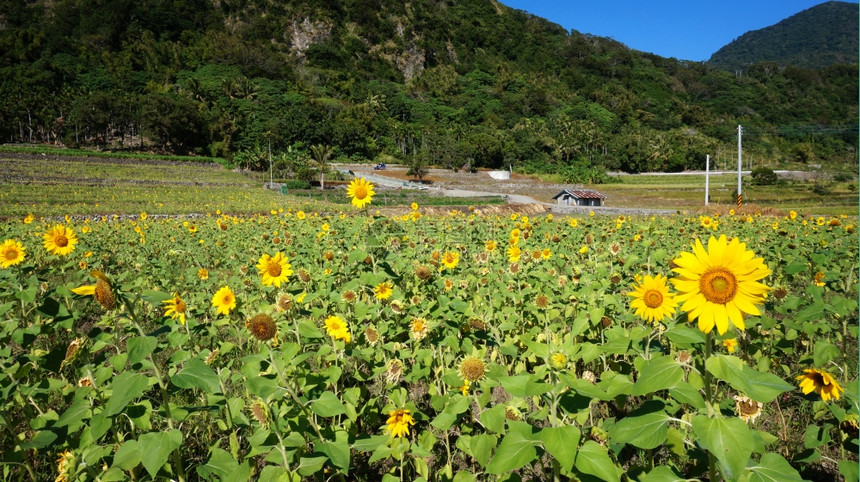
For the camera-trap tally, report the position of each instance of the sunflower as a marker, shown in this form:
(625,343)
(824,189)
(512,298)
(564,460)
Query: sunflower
(490,245)
(450,259)
(263,327)
(652,300)
(224,300)
(66,466)
(720,284)
(203,274)
(558,360)
(747,409)
(175,308)
(337,328)
(383,290)
(361,192)
(60,240)
(274,269)
(514,253)
(11,253)
(419,328)
(393,371)
(472,369)
(398,422)
(102,291)
(820,382)
(731,344)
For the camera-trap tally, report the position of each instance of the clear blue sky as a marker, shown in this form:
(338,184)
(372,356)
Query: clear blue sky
(684,29)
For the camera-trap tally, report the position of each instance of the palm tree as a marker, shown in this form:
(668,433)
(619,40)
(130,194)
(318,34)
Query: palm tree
(321,154)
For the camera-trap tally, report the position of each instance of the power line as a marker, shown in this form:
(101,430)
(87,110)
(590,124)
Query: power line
(802,130)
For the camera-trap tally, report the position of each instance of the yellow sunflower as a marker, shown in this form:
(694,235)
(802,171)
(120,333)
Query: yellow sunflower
(514,253)
(60,240)
(337,328)
(274,269)
(820,382)
(383,290)
(731,344)
(652,300)
(175,308)
(398,422)
(11,253)
(224,300)
(102,291)
(720,284)
(450,259)
(361,192)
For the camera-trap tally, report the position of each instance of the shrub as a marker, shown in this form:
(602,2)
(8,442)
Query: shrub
(763,176)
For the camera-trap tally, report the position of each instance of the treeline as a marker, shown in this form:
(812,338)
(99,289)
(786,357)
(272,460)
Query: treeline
(452,83)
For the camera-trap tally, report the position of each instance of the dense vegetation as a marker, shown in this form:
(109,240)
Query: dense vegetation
(823,35)
(469,83)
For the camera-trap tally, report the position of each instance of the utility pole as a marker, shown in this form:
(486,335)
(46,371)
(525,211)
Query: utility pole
(740,166)
(707,177)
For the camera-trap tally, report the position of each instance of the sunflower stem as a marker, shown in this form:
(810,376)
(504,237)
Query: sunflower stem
(709,341)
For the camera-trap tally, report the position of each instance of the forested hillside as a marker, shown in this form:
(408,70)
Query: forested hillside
(444,82)
(823,35)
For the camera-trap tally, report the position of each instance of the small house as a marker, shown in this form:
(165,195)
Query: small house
(579,197)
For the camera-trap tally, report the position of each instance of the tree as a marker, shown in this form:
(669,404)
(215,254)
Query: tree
(418,166)
(321,154)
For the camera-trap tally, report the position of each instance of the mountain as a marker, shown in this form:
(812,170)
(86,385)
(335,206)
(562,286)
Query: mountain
(823,35)
(445,82)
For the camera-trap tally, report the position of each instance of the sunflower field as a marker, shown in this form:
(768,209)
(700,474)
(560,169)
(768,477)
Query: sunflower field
(316,346)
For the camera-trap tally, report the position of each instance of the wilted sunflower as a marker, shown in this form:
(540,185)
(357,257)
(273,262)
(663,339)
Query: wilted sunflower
(11,253)
(419,328)
(747,409)
(652,300)
(361,192)
(371,335)
(383,290)
(263,327)
(472,369)
(394,371)
(349,296)
(102,291)
(820,382)
(203,274)
(450,259)
(274,269)
(423,272)
(720,284)
(398,422)
(224,300)
(337,328)
(66,466)
(285,301)
(175,308)
(60,240)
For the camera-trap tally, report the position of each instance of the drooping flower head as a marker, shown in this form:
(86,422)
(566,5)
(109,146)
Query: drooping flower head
(820,382)
(472,369)
(102,291)
(652,300)
(175,308)
(11,253)
(746,408)
(361,192)
(262,327)
(398,422)
(274,269)
(224,300)
(720,284)
(60,240)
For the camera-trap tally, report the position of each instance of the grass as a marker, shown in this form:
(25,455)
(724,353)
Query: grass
(398,198)
(62,151)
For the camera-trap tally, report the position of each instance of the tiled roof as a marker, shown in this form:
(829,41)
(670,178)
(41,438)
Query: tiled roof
(581,194)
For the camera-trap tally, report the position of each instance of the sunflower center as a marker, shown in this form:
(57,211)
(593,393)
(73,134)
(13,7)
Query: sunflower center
(11,254)
(61,241)
(180,306)
(718,285)
(360,192)
(274,270)
(653,299)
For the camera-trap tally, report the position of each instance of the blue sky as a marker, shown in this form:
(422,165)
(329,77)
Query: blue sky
(684,29)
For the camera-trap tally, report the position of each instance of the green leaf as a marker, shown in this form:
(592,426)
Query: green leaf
(646,427)
(127,456)
(74,415)
(524,385)
(482,446)
(328,405)
(849,470)
(686,393)
(759,386)
(684,336)
(156,297)
(794,268)
(729,439)
(658,373)
(662,474)
(139,347)
(824,352)
(593,459)
(220,463)
(126,386)
(310,465)
(494,418)
(156,447)
(561,443)
(337,450)
(773,468)
(515,451)
(197,374)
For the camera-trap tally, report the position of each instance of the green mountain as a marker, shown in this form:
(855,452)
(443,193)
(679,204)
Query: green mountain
(823,35)
(446,82)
